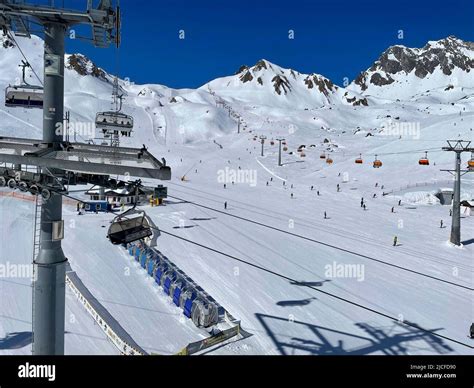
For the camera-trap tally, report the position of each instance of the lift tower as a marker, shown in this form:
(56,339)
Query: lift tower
(458,147)
(50,263)
(262,141)
(279,140)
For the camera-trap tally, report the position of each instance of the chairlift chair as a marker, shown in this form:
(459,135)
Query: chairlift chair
(359,160)
(24,95)
(130,226)
(114,121)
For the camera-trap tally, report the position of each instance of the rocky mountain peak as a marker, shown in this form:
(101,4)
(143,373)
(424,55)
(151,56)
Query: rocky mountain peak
(446,55)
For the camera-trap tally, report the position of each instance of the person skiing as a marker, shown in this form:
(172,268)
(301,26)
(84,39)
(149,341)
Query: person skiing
(225,205)
(376,184)
(312,187)
(393,209)
(365,208)
(362,202)
(338,188)
(291,195)
(441,224)
(225,186)
(317,192)
(374,196)
(450,212)
(325,216)
(395,241)
(78,207)
(399,202)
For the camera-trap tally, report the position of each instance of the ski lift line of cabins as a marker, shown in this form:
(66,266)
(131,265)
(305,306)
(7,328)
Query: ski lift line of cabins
(24,95)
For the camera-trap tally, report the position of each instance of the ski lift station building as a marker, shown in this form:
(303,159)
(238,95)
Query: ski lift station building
(117,197)
(445,196)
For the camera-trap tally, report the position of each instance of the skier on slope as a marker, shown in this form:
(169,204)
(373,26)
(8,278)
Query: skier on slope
(395,241)
(441,224)
(225,205)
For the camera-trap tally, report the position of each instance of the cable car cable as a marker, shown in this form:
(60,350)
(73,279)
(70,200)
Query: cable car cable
(334,231)
(325,244)
(411,324)
(24,57)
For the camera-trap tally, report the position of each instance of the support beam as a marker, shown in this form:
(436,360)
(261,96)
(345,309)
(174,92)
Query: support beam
(279,151)
(49,287)
(458,147)
(262,140)
(456,218)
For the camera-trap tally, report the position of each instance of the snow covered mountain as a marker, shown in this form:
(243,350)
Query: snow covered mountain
(444,66)
(269,84)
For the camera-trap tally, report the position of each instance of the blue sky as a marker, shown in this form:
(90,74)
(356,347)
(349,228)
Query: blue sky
(333,37)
